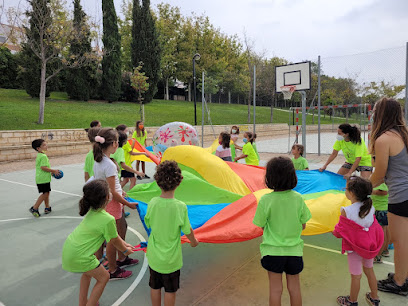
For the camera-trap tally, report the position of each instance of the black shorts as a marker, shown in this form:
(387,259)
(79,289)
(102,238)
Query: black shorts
(125,173)
(381,216)
(399,209)
(44,188)
(170,282)
(291,265)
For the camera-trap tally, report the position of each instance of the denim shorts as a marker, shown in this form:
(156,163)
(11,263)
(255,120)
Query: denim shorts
(382,217)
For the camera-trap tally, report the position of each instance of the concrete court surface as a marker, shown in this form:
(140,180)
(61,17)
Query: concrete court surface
(213,274)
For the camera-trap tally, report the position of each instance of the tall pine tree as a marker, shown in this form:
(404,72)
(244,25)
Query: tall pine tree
(111,62)
(81,81)
(145,45)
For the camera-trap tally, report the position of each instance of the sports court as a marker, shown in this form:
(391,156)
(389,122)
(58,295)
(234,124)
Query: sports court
(213,274)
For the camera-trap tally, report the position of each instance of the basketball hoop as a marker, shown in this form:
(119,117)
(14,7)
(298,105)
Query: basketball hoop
(288,91)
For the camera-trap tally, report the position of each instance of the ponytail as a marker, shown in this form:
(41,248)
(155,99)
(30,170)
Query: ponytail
(365,208)
(251,137)
(95,196)
(97,152)
(105,138)
(353,131)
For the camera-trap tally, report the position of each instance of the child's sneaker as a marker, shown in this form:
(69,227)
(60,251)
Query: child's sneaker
(127,262)
(391,246)
(146,176)
(345,300)
(377,259)
(386,253)
(120,274)
(127,214)
(139,177)
(35,212)
(371,301)
(389,285)
(47,210)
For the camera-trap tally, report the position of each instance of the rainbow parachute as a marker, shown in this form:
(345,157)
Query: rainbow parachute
(222,197)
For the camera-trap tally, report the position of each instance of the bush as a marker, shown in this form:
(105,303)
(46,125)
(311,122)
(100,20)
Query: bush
(127,92)
(8,69)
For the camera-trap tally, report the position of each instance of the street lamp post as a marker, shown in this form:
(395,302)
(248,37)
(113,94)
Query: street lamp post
(195,57)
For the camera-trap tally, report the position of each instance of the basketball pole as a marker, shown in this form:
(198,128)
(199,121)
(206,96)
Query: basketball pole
(318,106)
(303,93)
(254,94)
(202,112)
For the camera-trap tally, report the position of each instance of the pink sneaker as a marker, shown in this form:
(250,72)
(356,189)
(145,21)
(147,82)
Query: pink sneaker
(120,274)
(127,262)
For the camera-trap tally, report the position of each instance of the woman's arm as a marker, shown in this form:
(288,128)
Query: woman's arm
(116,196)
(331,158)
(382,155)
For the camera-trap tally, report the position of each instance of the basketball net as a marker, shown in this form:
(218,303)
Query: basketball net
(288,91)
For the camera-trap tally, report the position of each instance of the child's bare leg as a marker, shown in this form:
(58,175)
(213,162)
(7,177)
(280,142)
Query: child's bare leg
(385,243)
(111,255)
(40,199)
(99,253)
(355,287)
(372,282)
(121,226)
(293,284)
(47,199)
(155,295)
(124,182)
(132,182)
(169,298)
(137,165)
(275,288)
(102,278)
(83,289)
(143,167)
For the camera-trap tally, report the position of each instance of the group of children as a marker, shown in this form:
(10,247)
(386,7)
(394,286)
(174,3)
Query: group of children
(282,214)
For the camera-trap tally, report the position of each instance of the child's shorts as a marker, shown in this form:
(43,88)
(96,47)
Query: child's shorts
(170,282)
(291,265)
(125,173)
(382,217)
(355,262)
(44,188)
(115,209)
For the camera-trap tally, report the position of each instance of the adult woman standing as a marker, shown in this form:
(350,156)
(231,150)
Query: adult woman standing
(389,146)
(355,151)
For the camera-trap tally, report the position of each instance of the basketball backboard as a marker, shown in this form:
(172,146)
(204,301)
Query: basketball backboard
(297,74)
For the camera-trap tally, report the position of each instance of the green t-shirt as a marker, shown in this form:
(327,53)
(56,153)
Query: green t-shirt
(141,139)
(256,150)
(166,218)
(89,163)
(351,151)
(127,148)
(80,246)
(119,156)
(300,163)
(380,202)
(281,214)
(252,158)
(41,176)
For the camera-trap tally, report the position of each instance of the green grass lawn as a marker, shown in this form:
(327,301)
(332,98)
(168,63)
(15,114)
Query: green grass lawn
(18,111)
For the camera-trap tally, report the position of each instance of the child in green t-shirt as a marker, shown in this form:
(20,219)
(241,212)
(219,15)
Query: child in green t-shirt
(79,248)
(42,177)
(89,159)
(298,160)
(140,134)
(248,151)
(167,217)
(283,215)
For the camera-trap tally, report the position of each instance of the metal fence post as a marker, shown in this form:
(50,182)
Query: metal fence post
(202,112)
(254,94)
(318,106)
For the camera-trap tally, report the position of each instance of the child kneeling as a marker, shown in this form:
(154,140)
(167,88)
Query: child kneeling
(167,217)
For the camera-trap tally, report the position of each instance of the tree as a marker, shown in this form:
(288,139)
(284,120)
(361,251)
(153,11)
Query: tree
(373,91)
(125,31)
(111,62)
(140,83)
(80,81)
(145,45)
(8,69)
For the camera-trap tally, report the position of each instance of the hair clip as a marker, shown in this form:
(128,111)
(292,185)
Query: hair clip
(369,196)
(100,139)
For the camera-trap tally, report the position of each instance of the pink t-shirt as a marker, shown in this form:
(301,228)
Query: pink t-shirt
(223,152)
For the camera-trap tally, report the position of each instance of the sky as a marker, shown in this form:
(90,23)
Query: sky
(301,30)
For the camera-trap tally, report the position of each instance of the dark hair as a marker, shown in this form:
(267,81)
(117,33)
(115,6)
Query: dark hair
(388,116)
(95,196)
(353,131)
(168,175)
(236,128)
(300,147)
(139,132)
(110,135)
(225,139)
(121,127)
(361,189)
(92,132)
(251,136)
(122,138)
(37,143)
(280,174)
(94,123)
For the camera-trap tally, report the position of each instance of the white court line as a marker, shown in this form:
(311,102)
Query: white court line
(31,186)
(139,277)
